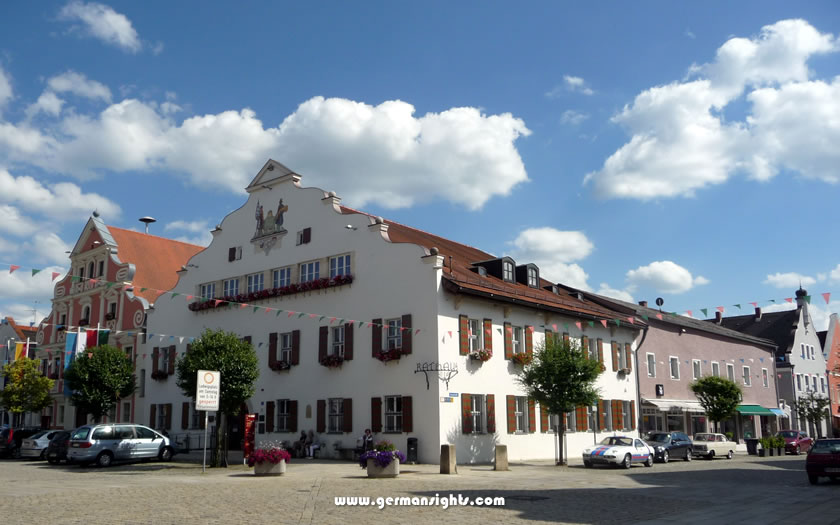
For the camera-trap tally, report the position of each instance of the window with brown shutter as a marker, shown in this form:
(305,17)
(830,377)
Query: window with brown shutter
(529,339)
(632,423)
(307,235)
(172,355)
(321,419)
(406,334)
(464,334)
(549,338)
(581,419)
(407,414)
(155,356)
(602,415)
(628,356)
(544,426)
(532,416)
(466,414)
(600,343)
(323,342)
(488,334)
(152,416)
(510,402)
(376,414)
(348,341)
(269,416)
(508,337)
(168,421)
(584,345)
(376,337)
(490,401)
(293,415)
(272,350)
(348,415)
(615,356)
(185,415)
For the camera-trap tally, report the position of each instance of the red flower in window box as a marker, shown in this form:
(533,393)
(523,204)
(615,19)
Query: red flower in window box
(389,355)
(281,365)
(481,355)
(332,361)
(522,359)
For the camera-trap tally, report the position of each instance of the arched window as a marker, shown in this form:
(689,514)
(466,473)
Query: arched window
(90,270)
(86,313)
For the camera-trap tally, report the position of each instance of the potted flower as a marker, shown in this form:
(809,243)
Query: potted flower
(269,460)
(523,358)
(383,461)
(281,365)
(780,445)
(332,361)
(766,447)
(389,355)
(483,354)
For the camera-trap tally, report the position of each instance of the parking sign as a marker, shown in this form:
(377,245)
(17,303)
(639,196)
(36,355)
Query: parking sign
(207,392)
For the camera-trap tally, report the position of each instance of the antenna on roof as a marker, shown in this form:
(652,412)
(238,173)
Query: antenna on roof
(147,221)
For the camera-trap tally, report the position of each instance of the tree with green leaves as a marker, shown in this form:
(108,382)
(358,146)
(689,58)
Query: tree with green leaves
(811,407)
(98,378)
(561,378)
(237,362)
(718,396)
(27,389)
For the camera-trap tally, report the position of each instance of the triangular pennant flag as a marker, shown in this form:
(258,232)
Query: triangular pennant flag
(554,326)
(788,299)
(301,315)
(807,299)
(632,321)
(13,267)
(181,339)
(705,312)
(360,323)
(617,322)
(217,302)
(604,322)
(531,329)
(591,324)
(291,314)
(54,275)
(645,318)
(278,313)
(93,281)
(579,325)
(189,298)
(826,296)
(332,320)
(243,305)
(256,308)
(174,295)
(719,309)
(755,305)
(510,329)
(689,313)
(192,339)
(417,331)
(340,321)
(171,337)
(659,316)
(313,316)
(566,326)
(450,333)
(737,305)
(772,300)
(108,285)
(35,272)
(269,310)
(500,331)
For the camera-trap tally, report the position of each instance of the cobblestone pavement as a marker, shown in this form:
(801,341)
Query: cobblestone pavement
(747,489)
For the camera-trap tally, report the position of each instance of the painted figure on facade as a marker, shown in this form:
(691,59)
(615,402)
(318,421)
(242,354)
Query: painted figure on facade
(270,224)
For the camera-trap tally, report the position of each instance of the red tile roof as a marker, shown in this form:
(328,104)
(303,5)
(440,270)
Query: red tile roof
(22,331)
(155,260)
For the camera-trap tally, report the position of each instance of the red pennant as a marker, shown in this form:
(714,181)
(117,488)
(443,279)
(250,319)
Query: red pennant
(243,305)
(719,309)
(332,320)
(54,275)
(688,312)
(450,333)
(659,316)
(789,299)
(632,321)
(554,327)
(13,267)
(755,305)
(826,296)
(291,314)
(579,325)
(531,329)
(189,298)
(417,331)
(93,281)
(604,322)
(267,310)
(217,302)
(487,331)
(312,316)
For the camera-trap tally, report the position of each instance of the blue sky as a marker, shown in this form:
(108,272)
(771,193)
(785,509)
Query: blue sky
(657,149)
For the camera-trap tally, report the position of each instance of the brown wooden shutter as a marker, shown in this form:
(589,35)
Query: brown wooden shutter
(376,414)
(466,414)
(581,421)
(407,414)
(508,336)
(323,341)
(155,356)
(602,415)
(544,426)
(615,357)
(293,415)
(532,416)
(584,344)
(406,334)
(269,416)
(231,254)
(529,339)
(490,401)
(464,334)
(348,341)
(511,414)
(348,415)
(272,349)
(600,343)
(295,347)
(321,421)
(376,337)
(152,415)
(628,356)
(168,421)
(172,355)
(618,418)
(566,338)
(549,338)
(488,334)
(632,425)
(185,415)
(307,235)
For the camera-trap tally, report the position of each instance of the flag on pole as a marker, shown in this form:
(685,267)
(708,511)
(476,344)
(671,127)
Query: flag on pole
(91,338)
(20,350)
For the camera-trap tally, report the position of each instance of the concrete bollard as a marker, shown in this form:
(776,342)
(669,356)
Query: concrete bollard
(501,462)
(447,459)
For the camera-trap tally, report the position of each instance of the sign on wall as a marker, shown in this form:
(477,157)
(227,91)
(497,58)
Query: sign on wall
(208,388)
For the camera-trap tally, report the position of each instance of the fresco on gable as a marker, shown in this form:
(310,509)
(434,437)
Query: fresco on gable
(272,223)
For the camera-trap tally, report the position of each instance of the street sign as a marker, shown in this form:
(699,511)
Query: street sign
(207,390)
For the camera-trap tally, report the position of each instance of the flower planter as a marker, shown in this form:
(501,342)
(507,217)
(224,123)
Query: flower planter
(780,452)
(762,452)
(392,470)
(267,468)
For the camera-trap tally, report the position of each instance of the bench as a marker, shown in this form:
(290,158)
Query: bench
(347,453)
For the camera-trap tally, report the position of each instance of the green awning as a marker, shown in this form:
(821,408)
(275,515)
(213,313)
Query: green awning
(754,410)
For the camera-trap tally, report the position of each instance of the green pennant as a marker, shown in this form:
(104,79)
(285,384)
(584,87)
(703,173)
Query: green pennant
(705,312)
(808,299)
(142,290)
(499,330)
(738,305)
(566,326)
(174,295)
(256,308)
(617,322)
(35,272)
(772,300)
(673,313)
(301,315)
(322,318)
(591,323)
(278,313)
(645,317)
(108,285)
(361,323)
(341,321)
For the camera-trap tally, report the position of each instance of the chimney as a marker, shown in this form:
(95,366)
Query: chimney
(643,303)
(757,313)
(718,317)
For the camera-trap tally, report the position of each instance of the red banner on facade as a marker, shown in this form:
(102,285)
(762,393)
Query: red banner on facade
(250,434)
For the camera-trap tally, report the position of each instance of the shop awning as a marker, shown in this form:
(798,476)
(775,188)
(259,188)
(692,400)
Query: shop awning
(754,410)
(675,404)
(779,412)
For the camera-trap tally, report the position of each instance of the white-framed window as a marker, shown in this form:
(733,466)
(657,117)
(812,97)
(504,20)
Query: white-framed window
(626,416)
(745,373)
(478,413)
(651,364)
(571,421)
(813,354)
(814,380)
(339,265)
(208,291)
(310,271)
(231,287)
(161,416)
(393,414)
(286,347)
(802,349)
(394,336)
(675,367)
(715,369)
(730,371)
(60,414)
(822,385)
(256,282)
(521,413)
(507,271)
(336,415)
(281,277)
(622,358)
(475,335)
(125,413)
(799,382)
(142,387)
(532,277)
(593,349)
(765,378)
(283,415)
(696,369)
(337,346)
(517,340)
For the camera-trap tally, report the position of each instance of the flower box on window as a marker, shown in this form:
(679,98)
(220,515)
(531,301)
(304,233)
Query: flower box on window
(481,355)
(317,284)
(110,316)
(332,361)
(60,328)
(389,355)
(523,358)
(159,374)
(281,365)
(53,374)
(84,322)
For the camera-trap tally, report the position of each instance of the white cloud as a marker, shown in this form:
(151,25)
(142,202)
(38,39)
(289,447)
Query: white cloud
(664,276)
(79,84)
(680,141)
(789,280)
(15,223)
(689,33)
(62,200)
(48,248)
(22,313)
(834,275)
(573,117)
(200,227)
(103,23)
(5,89)
(48,103)
(577,84)
(22,284)
(608,291)
(554,252)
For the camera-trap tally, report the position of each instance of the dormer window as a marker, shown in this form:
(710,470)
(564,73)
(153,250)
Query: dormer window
(528,274)
(532,277)
(507,271)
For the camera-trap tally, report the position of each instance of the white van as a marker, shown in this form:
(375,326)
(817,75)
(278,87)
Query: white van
(109,442)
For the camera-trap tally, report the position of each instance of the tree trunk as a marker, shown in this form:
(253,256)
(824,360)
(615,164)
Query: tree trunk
(561,433)
(218,458)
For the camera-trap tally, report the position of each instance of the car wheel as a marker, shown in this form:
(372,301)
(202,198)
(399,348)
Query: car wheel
(688,455)
(587,464)
(16,453)
(711,455)
(626,462)
(797,450)
(165,454)
(52,461)
(649,462)
(729,456)
(43,454)
(813,480)
(665,457)
(104,459)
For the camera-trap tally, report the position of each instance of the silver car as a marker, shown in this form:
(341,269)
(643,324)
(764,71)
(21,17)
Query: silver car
(36,446)
(109,442)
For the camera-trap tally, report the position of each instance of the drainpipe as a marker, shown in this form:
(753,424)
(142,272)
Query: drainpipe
(638,390)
